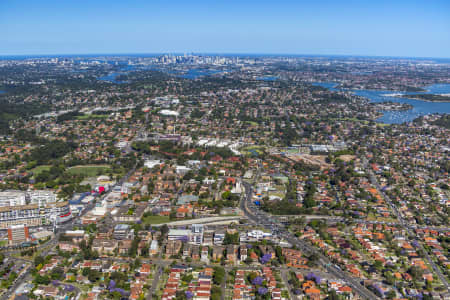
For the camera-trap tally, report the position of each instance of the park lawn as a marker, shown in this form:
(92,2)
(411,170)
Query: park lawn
(89,170)
(155,220)
(252,150)
(350,119)
(39,169)
(291,150)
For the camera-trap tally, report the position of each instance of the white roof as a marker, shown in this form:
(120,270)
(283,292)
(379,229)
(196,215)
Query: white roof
(179,232)
(152,163)
(202,142)
(103,178)
(167,112)
(42,234)
(17,226)
(182,168)
(154,245)
(75,232)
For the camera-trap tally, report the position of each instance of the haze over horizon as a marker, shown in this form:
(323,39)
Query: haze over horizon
(364,28)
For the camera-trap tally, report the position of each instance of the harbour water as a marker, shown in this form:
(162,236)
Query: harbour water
(111,77)
(419,108)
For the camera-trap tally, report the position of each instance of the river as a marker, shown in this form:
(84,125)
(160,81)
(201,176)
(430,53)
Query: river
(420,108)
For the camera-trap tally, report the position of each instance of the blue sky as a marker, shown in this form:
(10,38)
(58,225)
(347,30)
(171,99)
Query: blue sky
(377,27)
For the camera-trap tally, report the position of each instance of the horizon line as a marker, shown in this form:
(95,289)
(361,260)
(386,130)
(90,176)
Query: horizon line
(217,54)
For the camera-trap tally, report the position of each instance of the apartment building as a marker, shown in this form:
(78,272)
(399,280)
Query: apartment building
(18,234)
(12,198)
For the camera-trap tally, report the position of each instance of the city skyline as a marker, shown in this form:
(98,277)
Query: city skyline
(400,29)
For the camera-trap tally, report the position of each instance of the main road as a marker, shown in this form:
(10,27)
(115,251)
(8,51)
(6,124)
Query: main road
(259,217)
(25,276)
(404,223)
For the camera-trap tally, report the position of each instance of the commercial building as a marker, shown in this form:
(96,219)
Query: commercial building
(33,215)
(15,198)
(178,234)
(57,211)
(28,215)
(43,235)
(258,235)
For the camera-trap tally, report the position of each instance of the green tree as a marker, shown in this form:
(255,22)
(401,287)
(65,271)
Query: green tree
(38,260)
(219,275)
